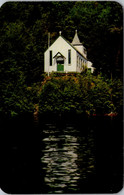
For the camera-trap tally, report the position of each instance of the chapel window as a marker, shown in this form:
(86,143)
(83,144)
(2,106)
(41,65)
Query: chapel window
(50,58)
(69,56)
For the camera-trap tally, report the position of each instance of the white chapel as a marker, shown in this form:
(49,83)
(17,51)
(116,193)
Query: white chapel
(63,56)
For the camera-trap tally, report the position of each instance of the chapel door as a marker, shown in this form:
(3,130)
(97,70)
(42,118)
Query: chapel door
(60,65)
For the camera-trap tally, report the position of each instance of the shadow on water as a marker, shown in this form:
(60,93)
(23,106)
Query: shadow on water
(20,158)
(61,154)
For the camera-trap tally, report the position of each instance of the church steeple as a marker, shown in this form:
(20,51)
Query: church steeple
(76,40)
(78,45)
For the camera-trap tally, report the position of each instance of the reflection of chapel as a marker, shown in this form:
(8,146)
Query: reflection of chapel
(63,56)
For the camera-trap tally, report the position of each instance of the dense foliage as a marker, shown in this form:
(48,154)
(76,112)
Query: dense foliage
(24,28)
(86,94)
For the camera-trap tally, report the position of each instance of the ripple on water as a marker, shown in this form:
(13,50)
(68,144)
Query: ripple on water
(63,159)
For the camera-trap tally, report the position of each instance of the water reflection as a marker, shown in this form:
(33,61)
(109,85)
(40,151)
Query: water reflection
(61,161)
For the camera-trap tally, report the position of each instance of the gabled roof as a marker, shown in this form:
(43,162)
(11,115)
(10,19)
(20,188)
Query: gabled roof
(70,45)
(74,48)
(58,55)
(76,40)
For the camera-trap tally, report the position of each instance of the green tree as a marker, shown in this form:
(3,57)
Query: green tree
(24,30)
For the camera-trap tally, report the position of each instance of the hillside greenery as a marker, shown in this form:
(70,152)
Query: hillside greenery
(87,94)
(24,28)
(72,93)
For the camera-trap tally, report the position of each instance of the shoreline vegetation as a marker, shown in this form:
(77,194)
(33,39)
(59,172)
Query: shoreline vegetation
(70,93)
(25,88)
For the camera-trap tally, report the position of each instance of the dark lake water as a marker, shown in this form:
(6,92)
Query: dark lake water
(62,154)
(67,157)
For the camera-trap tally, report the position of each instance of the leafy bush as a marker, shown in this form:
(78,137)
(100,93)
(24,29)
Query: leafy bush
(74,93)
(83,94)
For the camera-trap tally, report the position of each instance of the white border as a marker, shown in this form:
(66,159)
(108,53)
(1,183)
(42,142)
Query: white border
(122,4)
(4,1)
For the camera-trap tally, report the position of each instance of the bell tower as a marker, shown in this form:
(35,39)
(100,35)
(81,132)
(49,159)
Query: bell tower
(78,45)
